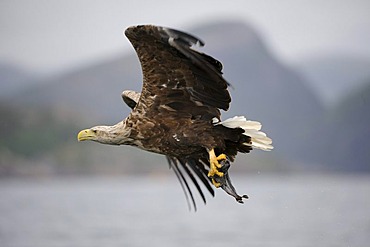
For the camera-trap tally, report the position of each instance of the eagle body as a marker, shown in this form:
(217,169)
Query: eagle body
(174,137)
(180,137)
(177,113)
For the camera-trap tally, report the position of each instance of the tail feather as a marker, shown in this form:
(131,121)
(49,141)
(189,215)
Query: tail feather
(259,139)
(241,122)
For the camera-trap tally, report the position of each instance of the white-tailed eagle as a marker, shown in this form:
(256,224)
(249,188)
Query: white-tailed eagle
(177,114)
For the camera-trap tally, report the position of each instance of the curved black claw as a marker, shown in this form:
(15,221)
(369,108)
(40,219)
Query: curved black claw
(225,182)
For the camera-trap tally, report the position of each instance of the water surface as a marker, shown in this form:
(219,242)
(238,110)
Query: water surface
(295,210)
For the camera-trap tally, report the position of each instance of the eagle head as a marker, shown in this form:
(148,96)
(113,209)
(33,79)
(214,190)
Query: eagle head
(114,135)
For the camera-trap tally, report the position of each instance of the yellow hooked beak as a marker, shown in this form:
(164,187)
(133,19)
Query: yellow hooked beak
(86,134)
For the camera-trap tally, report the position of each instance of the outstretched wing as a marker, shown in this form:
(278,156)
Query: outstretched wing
(177,79)
(178,82)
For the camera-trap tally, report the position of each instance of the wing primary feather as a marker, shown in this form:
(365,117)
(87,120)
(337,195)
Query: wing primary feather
(188,188)
(171,47)
(180,40)
(199,170)
(184,184)
(197,59)
(190,174)
(172,165)
(183,37)
(177,173)
(205,162)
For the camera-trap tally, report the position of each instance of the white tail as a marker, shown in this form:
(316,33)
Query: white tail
(252,129)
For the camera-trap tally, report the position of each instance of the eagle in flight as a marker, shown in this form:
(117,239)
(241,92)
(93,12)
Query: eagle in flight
(177,114)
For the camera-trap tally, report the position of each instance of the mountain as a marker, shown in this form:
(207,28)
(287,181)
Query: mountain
(342,141)
(92,93)
(13,79)
(352,116)
(263,89)
(339,139)
(333,76)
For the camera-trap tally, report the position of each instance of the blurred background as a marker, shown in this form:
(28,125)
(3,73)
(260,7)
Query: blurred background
(302,68)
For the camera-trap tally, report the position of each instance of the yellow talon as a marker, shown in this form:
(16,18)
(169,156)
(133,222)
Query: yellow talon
(221,157)
(214,165)
(217,185)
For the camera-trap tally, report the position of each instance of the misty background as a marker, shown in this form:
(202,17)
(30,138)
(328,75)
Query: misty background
(301,68)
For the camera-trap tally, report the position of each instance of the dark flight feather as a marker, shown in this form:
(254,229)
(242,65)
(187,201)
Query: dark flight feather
(169,64)
(184,184)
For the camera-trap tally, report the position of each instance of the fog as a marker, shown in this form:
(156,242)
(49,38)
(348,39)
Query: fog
(49,37)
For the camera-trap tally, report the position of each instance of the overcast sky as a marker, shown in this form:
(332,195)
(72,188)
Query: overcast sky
(49,36)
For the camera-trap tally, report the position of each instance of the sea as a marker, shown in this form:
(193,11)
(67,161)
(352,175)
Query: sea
(283,210)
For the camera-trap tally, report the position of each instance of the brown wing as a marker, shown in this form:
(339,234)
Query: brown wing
(177,80)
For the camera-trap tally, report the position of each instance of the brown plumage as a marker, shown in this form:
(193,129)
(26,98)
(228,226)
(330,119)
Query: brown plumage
(178,112)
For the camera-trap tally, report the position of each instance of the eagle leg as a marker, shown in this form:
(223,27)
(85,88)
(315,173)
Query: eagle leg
(215,166)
